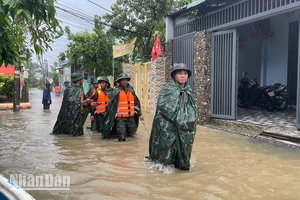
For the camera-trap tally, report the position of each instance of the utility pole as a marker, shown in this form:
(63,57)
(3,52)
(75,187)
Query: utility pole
(16,98)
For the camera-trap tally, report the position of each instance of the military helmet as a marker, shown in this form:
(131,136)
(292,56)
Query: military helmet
(76,77)
(102,78)
(180,66)
(66,83)
(123,76)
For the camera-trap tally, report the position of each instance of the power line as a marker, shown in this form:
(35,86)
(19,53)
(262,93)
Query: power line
(121,16)
(89,19)
(73,14)
(100,6)
(72,7)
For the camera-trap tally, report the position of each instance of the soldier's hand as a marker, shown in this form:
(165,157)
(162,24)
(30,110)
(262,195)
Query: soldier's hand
(88,101)
(94,104)
(92,118)
(142,118)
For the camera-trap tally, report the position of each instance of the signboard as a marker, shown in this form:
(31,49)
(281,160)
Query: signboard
(67,71)
(123,49)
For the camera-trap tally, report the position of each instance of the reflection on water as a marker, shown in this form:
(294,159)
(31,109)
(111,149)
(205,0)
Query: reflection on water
(223,166)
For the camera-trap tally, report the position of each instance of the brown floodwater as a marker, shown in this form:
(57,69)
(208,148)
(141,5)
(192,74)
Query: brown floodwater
(223,165)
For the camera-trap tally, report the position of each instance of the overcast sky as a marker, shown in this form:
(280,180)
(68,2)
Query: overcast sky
(65,13)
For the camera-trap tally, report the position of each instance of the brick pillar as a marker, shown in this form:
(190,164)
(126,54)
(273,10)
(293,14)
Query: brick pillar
(169,59)
(202,67)
(128,69)
(158,80)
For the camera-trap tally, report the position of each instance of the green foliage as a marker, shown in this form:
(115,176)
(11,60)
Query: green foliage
(6,86)
(55,77)
(61,56)
(31,68)
(141,19)
(181,3)
(89,51)
(32,18)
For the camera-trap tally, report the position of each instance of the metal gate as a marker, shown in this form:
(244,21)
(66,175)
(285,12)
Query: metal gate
(223,75)
(183,52)
(298,88)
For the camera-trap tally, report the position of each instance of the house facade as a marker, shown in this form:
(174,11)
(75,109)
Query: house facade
(221,41)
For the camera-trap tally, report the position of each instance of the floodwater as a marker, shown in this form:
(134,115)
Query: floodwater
(224,166)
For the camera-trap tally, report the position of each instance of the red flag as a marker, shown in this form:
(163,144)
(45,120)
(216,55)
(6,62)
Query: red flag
(157,49)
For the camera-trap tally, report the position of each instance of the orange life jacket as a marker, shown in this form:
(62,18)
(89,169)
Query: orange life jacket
(57,90)
(95,90)
(102,102)
(82,98)
(126,104)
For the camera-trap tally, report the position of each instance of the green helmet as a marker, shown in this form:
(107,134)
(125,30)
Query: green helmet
(76,77)
(103,78)
(123,76)
(181,66)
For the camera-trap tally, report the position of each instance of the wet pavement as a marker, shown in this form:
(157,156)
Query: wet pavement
(286,118)
(224,165)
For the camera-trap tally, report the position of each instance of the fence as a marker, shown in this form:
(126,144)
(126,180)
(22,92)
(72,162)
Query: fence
(142,78)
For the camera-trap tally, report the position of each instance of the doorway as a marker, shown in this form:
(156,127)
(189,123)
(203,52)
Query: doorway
(293,61)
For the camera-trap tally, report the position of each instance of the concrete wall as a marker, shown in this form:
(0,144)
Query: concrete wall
(276,49)
(249,53)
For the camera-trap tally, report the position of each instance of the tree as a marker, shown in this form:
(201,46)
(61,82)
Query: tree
(55,77)
(32,69)
(22,20)
(30,19)
(89,51)
(139,18)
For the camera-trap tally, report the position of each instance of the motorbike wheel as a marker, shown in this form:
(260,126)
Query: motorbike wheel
(281,103)
(269,106)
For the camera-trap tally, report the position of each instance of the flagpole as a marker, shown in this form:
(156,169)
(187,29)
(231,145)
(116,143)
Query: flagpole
(113,69)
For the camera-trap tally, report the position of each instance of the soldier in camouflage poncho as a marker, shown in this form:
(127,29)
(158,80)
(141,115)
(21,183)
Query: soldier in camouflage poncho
(100,101)
(72,114)
(121,118)
(174,124)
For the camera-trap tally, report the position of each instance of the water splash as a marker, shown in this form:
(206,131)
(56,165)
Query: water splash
(166,169)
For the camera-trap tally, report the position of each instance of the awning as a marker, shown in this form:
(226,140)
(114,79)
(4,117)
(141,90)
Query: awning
(207,5)
(194,3)
(9,70)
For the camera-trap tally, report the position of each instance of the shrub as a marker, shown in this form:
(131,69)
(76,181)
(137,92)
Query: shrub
(6,86)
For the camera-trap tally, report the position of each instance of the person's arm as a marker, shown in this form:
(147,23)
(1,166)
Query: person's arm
(49,97)
(138,110)
(93,108)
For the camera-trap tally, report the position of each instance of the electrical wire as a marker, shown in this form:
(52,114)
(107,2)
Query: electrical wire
(121,16)
(89,20)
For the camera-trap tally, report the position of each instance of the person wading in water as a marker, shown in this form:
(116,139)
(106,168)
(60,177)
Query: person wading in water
(174,124)
(124,110)
(74,109)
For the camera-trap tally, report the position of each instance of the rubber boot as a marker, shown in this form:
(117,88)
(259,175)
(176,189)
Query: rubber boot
(122,138)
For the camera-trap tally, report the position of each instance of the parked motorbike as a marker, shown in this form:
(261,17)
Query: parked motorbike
(279,97)
(260,96)
(244,98)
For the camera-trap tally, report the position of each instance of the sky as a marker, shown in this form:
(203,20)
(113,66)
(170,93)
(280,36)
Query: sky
(66,9)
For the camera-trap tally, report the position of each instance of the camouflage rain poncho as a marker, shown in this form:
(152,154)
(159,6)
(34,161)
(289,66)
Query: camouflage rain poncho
(111,110)
(174,126)
(70,119)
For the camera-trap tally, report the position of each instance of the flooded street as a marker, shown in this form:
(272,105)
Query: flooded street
(224,166)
